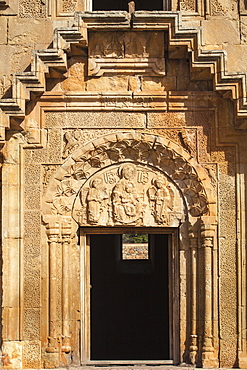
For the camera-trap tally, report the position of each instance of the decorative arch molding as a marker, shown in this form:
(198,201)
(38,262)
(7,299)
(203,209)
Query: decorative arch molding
(53,62)
(136,148)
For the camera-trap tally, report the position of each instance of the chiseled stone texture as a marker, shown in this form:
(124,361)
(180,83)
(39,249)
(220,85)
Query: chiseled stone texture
(95,120)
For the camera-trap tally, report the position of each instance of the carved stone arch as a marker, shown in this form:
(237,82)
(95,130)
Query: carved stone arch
(151,150)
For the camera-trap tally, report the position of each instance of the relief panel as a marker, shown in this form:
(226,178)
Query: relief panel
(67,8)
(33,8)
(128,147)
(139,53)
(188,6)
(128,194)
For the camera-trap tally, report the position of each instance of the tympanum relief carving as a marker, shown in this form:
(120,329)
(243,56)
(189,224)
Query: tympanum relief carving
(161,198)
(128,194)
(126,52)
(148,151)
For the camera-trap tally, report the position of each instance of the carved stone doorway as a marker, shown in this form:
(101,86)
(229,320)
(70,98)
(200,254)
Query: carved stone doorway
(129,311)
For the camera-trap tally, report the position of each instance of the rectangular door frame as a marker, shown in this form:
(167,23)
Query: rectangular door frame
(173,287)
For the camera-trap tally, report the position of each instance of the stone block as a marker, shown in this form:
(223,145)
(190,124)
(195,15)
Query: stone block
(73,84)
(31,324)
(220,31)
(18,57)
(96,119)
(3,30)
(77,66)
(178,67)
(31,357)
(11,355)
(243,25)
(158,83)
(31,34)
(165,119)
(236,57)
(135,83)
(105,84)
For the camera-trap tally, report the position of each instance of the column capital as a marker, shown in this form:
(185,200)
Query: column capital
(52,224)
(52,231)
(66,228)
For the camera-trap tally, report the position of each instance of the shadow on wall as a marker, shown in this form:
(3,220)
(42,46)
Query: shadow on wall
(123,5)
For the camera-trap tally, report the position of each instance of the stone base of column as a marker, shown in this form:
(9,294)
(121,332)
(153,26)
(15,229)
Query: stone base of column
(52,345)
(51,360)
(242,360)
(193,349)
(208,354)
(208,358)
(210,363)
(66,347)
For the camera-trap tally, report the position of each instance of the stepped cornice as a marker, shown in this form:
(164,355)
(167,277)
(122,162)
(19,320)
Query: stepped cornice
(209,63)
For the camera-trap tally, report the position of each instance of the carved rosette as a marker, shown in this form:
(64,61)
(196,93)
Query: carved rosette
(158,156)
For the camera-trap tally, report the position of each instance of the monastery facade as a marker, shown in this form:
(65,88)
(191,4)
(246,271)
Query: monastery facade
(123,193)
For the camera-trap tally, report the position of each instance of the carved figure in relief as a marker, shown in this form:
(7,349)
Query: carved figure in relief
(97,198)
(72,141)
(126,202)
(110,46)
(160,198)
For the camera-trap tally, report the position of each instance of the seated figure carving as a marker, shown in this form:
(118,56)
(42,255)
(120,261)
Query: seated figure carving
(126,202)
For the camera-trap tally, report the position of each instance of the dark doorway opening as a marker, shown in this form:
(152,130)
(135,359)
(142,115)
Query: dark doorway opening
(129,301)
(123,5)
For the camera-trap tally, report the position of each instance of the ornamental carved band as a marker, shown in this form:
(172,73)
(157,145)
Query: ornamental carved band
(128,179)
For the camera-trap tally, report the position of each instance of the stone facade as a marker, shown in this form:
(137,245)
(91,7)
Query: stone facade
(114,122)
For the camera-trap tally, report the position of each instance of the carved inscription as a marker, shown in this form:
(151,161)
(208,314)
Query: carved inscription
(128,194)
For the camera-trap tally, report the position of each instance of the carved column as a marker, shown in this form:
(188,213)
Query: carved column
(53,238)
(208,359)
(66,237)
(193,266)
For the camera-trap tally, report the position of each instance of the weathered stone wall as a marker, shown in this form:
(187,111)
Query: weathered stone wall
(104,92)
